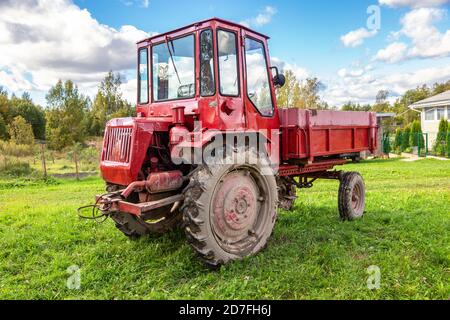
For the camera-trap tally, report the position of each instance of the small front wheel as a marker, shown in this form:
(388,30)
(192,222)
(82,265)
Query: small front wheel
(352,196)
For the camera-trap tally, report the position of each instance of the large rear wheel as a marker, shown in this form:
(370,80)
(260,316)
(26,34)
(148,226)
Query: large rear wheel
(230,210)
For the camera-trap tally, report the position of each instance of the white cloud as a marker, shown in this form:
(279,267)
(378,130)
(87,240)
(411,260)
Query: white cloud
(356,38)
(364,88)
(353,73)
(426,41)
(14,80)
(262,18)
(412,3)
(129,89)
(42,41)
(299,72)
(393,53)
(142,3)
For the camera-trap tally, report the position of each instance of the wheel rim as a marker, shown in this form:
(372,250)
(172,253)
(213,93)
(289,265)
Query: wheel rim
(240,210)
(358,199)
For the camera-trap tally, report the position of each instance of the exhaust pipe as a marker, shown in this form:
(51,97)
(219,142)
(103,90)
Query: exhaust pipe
(157,182)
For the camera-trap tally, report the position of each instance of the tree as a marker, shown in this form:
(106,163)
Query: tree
(309,93)
(66,115)
(289,94)
(398,139)
(382,105)
(387,144)
(440,146)
(21,132)
(406,138)
(74,154)
(405,115)
(382,96)
(32,113)
(441,87)
(4,105)
(416,137)
(350,106)
(108,104)
(3,130)
(448,143)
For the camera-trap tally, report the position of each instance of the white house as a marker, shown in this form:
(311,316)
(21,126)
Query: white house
(432,110)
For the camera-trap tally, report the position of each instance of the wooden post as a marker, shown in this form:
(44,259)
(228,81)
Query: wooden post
(44,166)
(75,158)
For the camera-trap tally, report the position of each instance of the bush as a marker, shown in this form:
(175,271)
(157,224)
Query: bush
(20,131)
(17,169)
(9,148)
(448,144)
(387,144)
(3,130)
(398,140)
(406,138)
(416,137)
(440,146)
(89,158)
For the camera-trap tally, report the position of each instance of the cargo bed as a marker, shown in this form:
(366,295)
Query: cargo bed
(308,134)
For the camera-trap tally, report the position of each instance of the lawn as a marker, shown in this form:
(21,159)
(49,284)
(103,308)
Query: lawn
(312,255)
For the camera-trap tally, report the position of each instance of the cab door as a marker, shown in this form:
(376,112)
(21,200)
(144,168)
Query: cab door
(259,91)
(229,61)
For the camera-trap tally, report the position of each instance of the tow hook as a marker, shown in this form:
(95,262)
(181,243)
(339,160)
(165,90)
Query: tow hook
(101,209)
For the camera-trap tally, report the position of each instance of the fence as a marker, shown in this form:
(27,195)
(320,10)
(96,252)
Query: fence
(37,160)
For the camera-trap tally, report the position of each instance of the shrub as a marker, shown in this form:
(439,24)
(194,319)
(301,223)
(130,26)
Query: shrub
(90,158)
(440,146)
(448,144)
(406,138)
(20,131)
(17,169)
(416,137)
(9,148)
(398,139)
(3,130)
(387,144)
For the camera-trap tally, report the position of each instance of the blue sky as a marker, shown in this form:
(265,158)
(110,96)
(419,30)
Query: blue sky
(330,40)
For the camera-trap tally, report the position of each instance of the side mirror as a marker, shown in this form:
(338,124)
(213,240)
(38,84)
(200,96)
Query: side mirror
(279,80)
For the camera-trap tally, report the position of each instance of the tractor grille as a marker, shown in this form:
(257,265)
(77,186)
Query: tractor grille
(118,144)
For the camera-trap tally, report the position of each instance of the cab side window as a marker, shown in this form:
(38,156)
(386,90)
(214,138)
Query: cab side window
(228,63)
(258,85)
(143,76)
(207,82)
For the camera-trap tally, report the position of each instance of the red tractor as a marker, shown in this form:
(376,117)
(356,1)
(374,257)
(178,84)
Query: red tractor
(211,152)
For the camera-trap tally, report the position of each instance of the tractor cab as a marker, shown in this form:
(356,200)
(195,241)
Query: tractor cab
(218,71)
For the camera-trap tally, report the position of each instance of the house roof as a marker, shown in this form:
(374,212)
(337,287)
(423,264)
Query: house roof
(385,115)
(442,99)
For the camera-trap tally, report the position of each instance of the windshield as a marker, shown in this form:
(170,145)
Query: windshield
(174,69)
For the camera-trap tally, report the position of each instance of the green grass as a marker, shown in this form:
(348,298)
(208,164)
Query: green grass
(312,255)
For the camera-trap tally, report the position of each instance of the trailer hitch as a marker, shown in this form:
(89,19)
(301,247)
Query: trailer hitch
(114,202)
(101,209)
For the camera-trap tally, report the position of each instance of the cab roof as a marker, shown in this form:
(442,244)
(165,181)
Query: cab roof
(202,22)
